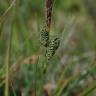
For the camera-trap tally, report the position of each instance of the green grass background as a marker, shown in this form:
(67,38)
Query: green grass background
(74,62)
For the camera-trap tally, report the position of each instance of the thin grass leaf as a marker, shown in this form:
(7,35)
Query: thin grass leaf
(8,56)
(7,10)
(89,90)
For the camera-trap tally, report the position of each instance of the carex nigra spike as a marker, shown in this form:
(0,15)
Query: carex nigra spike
(48,13)
(44,37)
(53,46)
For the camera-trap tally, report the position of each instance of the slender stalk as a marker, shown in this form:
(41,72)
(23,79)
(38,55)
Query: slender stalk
(90,89)
(8,56)
(43,71)
(36,73)
(8,9)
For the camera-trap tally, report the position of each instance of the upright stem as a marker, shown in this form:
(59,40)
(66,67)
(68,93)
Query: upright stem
(8,56)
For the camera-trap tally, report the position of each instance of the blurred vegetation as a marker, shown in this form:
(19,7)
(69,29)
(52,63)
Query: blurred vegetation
(72,71)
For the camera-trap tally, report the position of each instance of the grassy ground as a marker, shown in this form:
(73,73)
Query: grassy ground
(70,72)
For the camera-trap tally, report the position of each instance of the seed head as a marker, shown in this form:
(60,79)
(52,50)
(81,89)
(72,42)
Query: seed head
(48,12)
(44,37)
(53,46)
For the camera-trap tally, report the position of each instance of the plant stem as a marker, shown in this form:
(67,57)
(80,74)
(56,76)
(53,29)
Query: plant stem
(8,56)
